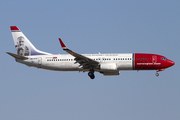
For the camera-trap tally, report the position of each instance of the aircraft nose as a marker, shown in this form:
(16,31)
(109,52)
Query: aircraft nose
(171,62)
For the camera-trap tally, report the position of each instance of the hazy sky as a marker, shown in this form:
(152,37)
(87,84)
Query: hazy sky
(116,26)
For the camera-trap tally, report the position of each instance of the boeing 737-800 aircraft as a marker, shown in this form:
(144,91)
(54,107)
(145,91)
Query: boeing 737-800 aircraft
(107,64)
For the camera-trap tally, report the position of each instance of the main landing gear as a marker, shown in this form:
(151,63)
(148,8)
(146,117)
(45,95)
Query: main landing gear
(91,74)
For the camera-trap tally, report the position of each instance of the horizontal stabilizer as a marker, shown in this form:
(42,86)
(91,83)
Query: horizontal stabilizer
(17,56)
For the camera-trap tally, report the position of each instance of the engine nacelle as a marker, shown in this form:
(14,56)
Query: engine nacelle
(108,67)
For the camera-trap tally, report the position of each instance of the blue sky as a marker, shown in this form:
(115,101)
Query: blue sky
(116,26)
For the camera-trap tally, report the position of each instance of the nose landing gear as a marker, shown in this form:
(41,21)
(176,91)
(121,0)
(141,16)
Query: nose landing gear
(91,74)
(157,74)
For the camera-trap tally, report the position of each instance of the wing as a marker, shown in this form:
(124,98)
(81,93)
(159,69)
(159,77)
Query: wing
(84,61)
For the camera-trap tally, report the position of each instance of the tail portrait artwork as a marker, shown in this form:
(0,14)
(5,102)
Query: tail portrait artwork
(23,46)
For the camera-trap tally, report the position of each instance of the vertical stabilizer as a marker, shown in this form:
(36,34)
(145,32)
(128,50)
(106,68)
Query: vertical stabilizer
(23,46)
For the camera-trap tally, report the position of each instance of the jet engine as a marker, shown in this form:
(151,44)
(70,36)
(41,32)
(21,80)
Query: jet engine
(108,67)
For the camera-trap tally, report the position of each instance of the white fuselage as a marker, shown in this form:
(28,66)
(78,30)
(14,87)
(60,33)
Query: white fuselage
(66,62)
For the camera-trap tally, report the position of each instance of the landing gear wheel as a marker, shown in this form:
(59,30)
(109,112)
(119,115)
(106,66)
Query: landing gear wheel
(157,74)
(91,75)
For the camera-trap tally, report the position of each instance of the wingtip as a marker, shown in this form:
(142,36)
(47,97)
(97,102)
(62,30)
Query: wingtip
(62,44)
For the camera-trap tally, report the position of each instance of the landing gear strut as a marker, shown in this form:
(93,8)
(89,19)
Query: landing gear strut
(91,74)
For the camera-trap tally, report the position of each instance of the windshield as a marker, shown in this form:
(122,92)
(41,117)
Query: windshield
(163,58)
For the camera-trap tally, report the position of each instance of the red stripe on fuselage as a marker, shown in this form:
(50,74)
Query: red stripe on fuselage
(150,62)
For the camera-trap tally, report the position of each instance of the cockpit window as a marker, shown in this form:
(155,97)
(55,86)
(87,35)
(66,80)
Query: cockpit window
(164,58)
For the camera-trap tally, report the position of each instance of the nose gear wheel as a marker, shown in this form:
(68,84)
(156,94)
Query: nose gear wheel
(157,74)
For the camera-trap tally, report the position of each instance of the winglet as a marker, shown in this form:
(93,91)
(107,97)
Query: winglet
(62,44)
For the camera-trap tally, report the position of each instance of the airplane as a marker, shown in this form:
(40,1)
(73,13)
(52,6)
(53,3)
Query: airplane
(106,64)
